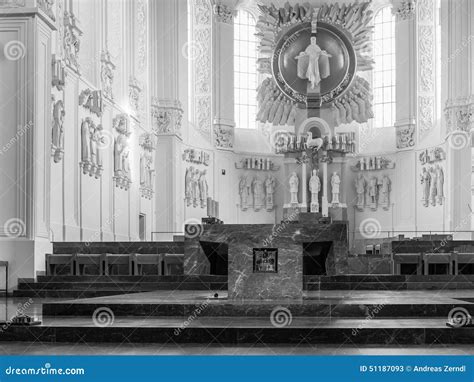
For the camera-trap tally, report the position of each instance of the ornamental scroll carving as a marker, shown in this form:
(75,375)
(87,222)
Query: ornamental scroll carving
(459,114)
(426,56)
(107,73)
(166,116)
(405,136)
(224,14)
(71,42)
(426,113)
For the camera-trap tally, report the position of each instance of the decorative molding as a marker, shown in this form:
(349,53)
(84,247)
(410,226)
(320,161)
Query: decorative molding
(12,3)
(459,114)
(92,140)
(224,14)
(47,7)
(147,170)
(92,100)
(426,57)
(58,73)
(425,10)
(406,10)
(57,134)
(71,41)
(107,74)
(166,116)
(405,136)
(426,114)
(196,156)
(142,25)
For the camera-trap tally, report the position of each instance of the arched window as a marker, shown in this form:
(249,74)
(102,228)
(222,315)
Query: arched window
(384,69)
(245,70)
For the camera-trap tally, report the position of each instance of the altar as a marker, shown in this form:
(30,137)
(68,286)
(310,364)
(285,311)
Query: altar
(265,261)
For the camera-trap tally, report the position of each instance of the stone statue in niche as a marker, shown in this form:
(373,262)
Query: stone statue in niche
(335,188)
(385,188)
(433,185)
(294,186)
(195,187)
(373,192)
(425,181)
(57,138)
(257,188)
(269,191)
(313,64)
(244,191)
(122,152)
(188,185)
(203,188)
(314,188)
(360,184)
(439,184)
(91,142)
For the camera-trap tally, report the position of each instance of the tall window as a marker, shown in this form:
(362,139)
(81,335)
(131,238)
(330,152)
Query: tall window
(245,71)
(384,70)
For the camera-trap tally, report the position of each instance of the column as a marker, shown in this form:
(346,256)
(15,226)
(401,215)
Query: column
(25,142)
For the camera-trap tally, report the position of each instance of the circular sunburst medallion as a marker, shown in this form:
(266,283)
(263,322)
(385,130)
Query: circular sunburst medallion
(335,71)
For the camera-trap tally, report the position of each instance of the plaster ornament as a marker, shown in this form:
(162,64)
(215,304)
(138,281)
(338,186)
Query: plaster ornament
(188,186)
(270,184)
(314,188)
(425,181)
(360,184)
(57,138)
(385,188)
(294,186)
(91,142)
(203,188)
(258,195)
(335,188)
(244,191)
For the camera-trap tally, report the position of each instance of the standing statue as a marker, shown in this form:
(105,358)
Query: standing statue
(433,185)
(188,186)
(385,188)
(257,188)
(373,188)
(57,143)
(439,184)
(360,184)
(313,64)
(244,191)
(294,185)
(425,181)
(195,186)
(314,188)
(203,188)
(269,190)
(335,186)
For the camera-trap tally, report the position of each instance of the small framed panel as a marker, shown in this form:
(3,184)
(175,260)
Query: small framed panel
(265,260)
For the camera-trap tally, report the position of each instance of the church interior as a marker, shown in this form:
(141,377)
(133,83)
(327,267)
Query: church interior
(237,176)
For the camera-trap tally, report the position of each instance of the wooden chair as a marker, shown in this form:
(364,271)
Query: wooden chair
(460,260)
(437,258)
(83,261)
(138,260)
(113,261)
(171,260)
(406,258)
(55,260)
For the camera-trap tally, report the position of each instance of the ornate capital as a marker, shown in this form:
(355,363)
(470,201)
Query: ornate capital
(405,135)
(166,116)
(459,114)
(224,14)
(406,10)
(224,134)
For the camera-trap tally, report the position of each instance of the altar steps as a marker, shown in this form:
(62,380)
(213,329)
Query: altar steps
(96,286)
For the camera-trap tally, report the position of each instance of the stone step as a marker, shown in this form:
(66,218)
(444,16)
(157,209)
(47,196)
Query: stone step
(127,278)
(121,286)
(312,286)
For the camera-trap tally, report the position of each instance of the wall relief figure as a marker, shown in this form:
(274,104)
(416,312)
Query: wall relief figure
(134,94)
(294,187)
(426,182)
(270,184)
(147,170)
(433,185)
(439,184)
(314,188)
(244,191)
(122,175)
(188,186)
(385,188)
(57,138)
(92,141)
(92,101)
(360,184)
(203,188)
(258,195)
(72,42)
(335,188)
(107,73)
